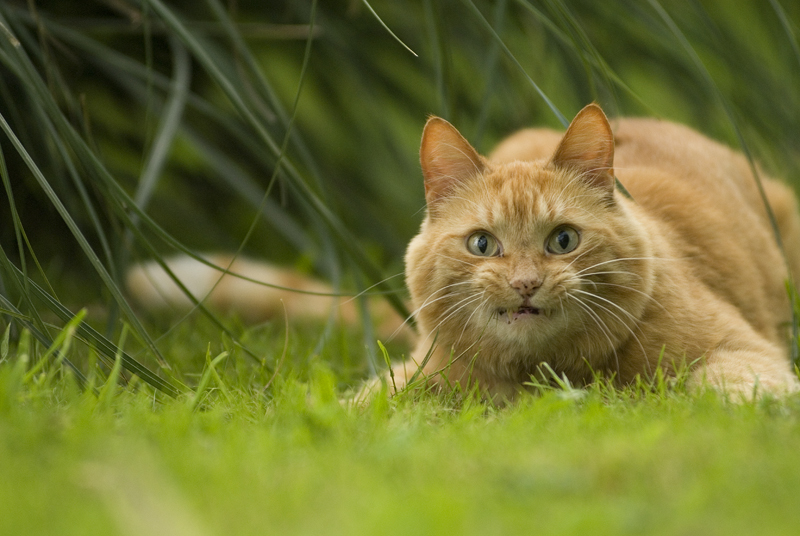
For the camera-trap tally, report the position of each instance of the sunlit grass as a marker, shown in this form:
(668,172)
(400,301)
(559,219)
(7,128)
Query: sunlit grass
(230,457)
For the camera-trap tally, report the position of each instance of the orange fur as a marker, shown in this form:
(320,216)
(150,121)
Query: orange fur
(689,268)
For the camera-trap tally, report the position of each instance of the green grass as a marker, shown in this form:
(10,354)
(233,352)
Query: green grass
(296,460)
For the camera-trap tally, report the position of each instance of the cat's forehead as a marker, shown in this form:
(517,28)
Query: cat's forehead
(522,194)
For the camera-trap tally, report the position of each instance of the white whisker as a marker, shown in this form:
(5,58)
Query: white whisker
(427,303)
(629,315)
(474,310)
(453,310)
(637,291)
(578,257)
(621,259)
(620,320)
(600,324)
(614,272)
(366,290)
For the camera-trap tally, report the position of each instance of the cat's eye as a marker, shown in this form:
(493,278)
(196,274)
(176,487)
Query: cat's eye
(563,240)
(483,244)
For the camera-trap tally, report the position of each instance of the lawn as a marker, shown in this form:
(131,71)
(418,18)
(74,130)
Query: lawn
(298,459)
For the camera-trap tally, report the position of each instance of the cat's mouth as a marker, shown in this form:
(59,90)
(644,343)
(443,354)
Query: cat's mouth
(512,315)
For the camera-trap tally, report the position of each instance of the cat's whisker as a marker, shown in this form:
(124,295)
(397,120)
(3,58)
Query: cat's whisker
(620,320)
(595,284)
(464,352)
(614,272)
(444,297)
(604,329)
(561,304)
(454,309)
(445,288)
(623,259)
(637,291)
(475,310)
(564,312)
(458,306)
(366,290)
(584,278)
(577,258)
(605,300)
(418,310)
(428,302)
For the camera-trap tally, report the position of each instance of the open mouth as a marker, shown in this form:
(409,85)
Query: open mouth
(512,315)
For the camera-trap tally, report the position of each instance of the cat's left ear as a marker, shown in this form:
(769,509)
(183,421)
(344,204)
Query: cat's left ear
(588,148)
(447,159)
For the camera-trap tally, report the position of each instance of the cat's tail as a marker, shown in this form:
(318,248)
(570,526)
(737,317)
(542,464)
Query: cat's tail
(299,297)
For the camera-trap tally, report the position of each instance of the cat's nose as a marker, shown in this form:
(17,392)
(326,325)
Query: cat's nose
(526,287)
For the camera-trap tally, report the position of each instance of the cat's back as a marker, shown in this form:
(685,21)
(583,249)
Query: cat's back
(691,158)
(690,182)
(701,189)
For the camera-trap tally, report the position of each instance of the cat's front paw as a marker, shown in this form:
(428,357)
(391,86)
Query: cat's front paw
(742,382)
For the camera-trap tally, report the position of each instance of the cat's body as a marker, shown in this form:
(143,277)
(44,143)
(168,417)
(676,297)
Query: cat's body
(533,257)
(574,274)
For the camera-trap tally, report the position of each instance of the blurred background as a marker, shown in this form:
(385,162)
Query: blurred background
(288,130)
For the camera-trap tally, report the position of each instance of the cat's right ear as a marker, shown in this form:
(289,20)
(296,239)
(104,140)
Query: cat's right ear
(447,159)
(588,148)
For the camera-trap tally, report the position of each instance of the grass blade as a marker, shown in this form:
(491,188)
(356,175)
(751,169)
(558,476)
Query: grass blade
(480,18)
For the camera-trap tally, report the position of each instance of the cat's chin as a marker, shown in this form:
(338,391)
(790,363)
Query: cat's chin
(510,316)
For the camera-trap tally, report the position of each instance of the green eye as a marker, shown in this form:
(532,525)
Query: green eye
(563,240)
(483,244)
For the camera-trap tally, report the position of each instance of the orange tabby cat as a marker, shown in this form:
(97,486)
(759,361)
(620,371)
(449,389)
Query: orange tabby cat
(533,257)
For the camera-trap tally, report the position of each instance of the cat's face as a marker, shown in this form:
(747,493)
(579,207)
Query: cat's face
(523,259)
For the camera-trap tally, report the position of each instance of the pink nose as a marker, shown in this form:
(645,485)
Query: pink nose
(526,287)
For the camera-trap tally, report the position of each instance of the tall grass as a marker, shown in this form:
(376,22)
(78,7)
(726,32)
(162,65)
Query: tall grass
(288,130)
